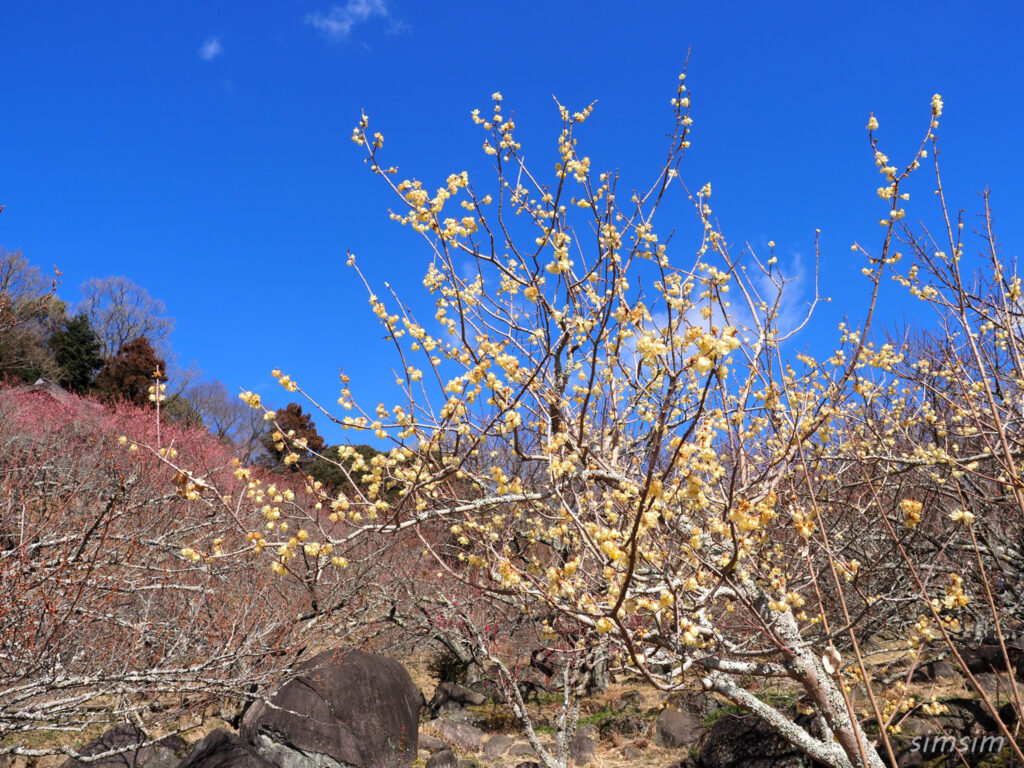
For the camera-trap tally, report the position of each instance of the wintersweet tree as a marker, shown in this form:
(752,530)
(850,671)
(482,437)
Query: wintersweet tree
(647,437)
(602,425)
(934,448)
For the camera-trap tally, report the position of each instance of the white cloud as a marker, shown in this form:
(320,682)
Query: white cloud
(337,23)
(210,49)
(398,27)
(791,296)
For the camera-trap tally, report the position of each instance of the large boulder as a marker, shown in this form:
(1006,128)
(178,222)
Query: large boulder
(520,749)
(466,737)
(582,749)
(744,741)
(984,658)
(497,746)
(677,729)
(126,738)
(342,709)
(222,749)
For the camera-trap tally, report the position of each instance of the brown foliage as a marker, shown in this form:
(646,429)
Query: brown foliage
(295,432)
(130,373)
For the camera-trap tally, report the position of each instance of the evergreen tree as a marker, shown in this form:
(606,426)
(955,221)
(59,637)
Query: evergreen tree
(76,348)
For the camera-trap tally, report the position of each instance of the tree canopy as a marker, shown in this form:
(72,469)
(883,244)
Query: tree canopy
(76,349)
(131,373)
(293,436)
(121,311)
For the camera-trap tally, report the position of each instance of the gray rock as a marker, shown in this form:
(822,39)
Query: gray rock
(520,749)
(995,685)
(487,685)
(127,737)
(466,737)
(497,745)
(461,716)
(631,753)
(342,708)
(624,725)
(286,755)
(629,699)
(431,743)
(582,749)
(989,658)
(443,759)
(935,670)
(675,729)
(222,749)
(452,696)
(700,703)
(744,741)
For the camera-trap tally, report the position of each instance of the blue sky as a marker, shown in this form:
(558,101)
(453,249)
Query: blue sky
(202,148)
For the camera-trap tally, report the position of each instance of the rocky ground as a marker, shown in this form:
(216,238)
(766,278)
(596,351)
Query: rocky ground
(630,724)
